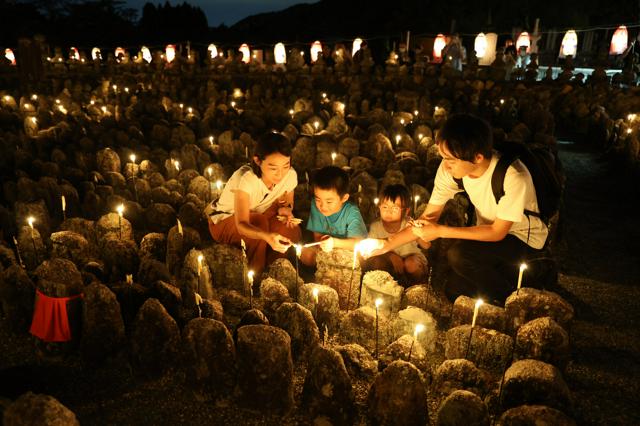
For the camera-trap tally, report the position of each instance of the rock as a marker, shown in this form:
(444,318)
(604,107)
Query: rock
(72,246)
(107,160)
(335,270)
(169,295)
(130,297)
(84,227)
(37,409)
(212,309)
(488,348)
(155,339)
(178,245)
(405,349)
(273,295)
(154,245)
(234,303)
(209,357)
(228,267)
(459,374)
(120,259)
(59,278)
(265,368)
(17,296)
(298,322)
(398,396)
(358,361)
(543,339)
(327,310)
(250,317)
(283,271)
(426,298)
(112,227)
(534,415)
(32,247)
(531,381)
(406,322)
(327,387)
(531,303)
(489,316)
(194,281)
(152,270)
(160,217)
(102,325)
(358,326)
(380,284)
(462,408)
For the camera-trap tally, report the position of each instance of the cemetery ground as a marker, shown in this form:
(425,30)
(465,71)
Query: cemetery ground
(599,258)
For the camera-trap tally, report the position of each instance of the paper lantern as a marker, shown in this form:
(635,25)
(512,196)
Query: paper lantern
(438,44)
(95,53)
(146,54)
(8,53)
(213,51)
(119,51)
(280,54)
(523,40)
(170,53)
(74,54)
(246,53)
(569,44)
(316,49)
(490,52)
(356,46)
(480,45)
(619,41)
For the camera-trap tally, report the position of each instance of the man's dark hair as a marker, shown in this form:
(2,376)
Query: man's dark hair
(392,192)
(331,177)
(270,143)
(466,135)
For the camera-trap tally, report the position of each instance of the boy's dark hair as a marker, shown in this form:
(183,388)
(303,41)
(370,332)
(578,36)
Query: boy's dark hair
(392,192)
(466,135)
(270,143)
(331,177)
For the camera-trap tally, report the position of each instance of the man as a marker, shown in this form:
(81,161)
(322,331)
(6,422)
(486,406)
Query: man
(486,259)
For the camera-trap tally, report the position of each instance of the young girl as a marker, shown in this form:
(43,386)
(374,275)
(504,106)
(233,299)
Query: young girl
(251,201)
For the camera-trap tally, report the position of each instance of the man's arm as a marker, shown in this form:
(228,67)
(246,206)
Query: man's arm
(489,233)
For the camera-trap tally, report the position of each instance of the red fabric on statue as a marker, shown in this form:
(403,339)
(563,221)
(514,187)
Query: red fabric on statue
(50,320)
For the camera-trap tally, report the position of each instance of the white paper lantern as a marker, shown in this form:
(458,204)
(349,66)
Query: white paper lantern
(170,53)
(490,52)
(246,53)
(480,45)
(619,41)
(119,51)
(8,53)
(569,44)
(356,46)
(95,54)
(213,51)
(146,54)
(74,54)
(316,49)
(438,44)
(280,54)
(523,40)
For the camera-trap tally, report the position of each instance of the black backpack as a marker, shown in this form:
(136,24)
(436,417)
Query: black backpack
(546,172)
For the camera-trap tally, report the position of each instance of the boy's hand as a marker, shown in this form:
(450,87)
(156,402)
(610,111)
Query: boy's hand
(425,230)
(326,244)
(278,242)
(380,250)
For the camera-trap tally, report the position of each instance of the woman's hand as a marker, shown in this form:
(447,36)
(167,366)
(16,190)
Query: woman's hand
(326,243)
(278,242)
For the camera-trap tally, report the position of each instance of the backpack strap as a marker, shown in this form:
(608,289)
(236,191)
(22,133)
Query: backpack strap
(498,176)
(460,183)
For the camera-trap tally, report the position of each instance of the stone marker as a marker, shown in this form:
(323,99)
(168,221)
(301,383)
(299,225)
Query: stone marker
(462,408)
(37,409)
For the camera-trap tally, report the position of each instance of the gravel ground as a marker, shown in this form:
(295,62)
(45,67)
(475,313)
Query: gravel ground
(600,268)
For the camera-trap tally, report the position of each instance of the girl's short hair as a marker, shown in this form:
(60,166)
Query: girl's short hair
(270,143)
(395,191)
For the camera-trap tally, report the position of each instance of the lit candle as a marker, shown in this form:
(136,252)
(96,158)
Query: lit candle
(501,101)
(233,104)
(132,157)
(120,209)
(250,275)
(523,266)
(30,221)
(63,201)
(211,140)
(402,121)
(378,303)
(316,124)
(420,136)
(129,279)
(176,163)
(333,157)
(179,227)
(376,201)
(291,112)
(398,137)
(210,173)
(415,205)
(416,112)
(200,257)
(218,185)
(479,303)
(419,328)
(315,292)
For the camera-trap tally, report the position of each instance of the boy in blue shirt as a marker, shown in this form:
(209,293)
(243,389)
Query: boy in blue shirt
(335,222)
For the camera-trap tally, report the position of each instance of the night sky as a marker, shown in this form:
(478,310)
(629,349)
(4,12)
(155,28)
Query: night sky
(226,11)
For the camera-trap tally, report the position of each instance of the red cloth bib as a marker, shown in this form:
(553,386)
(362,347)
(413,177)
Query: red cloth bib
(50,320)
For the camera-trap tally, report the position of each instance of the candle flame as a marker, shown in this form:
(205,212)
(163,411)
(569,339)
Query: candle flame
(479,303)
(120,209)
(523,266)
(210,171)
(315,292)
(250,275)
(132,157)
(30,221)
(298,248)
(219,185)
(419,329)
(378,302)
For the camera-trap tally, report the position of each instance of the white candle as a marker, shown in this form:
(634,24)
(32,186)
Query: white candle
(315,292)
(250,275)
(132,157)
(218,185)
(129,279)
(398,137)
(120,209)
(479,303)
(30,221)
(523,266)
(179,227)
(316,124)
(246,151)
(200,257)
(298,248)
(333,157)
(415,204)
(64,203)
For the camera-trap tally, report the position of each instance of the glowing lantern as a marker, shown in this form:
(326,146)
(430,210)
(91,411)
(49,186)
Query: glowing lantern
(280,53)
(439,43)
(490,50)
(316,49)
(523,40)
(619,41)
(95,54)
(213,51)
(74,54)
(246,53)
(119,51)
(146,54)
(569,44)
(356,46)
(170,53)
(8,53)
(480,45)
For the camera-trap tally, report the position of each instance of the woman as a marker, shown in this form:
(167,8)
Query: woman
(252,200)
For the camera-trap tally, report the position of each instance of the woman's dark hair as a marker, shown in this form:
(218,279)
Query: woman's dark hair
(270,143)
(466,135)
(331,178)
(392,192)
